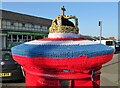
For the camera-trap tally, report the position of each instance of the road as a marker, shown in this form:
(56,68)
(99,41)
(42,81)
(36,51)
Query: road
(109,76)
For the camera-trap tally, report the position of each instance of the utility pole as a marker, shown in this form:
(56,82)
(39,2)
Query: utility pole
(100,26)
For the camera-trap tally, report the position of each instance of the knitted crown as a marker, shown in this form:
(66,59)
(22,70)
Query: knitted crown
(61,24)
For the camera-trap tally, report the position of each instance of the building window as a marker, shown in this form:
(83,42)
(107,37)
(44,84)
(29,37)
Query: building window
(35,26)
(29,25)
(3,43)
(20,24)
(25,38)
(26,25)
(23,24)
(4,26)
(14,38)
(32,26)
(29,38)
(4,23)
(20,39)
(23,28)
(0,42)
(8,27)
(12,27)
(16,24)
(8,23)
(12,24)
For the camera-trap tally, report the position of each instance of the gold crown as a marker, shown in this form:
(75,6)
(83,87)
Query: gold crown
(61,24)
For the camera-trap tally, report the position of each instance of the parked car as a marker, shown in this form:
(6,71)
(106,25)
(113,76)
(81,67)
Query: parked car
(117,46)
(10,69)
(110,43)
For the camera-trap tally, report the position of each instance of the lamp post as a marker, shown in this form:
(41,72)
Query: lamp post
(100,26)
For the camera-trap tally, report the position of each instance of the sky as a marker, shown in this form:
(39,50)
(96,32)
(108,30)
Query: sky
(88,13)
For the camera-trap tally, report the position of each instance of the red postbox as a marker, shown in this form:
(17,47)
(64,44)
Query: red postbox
(63,58)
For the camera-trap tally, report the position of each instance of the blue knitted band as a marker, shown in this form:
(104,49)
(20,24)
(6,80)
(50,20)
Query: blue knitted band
(61,51)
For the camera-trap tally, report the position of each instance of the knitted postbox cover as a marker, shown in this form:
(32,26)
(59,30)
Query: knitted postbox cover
(46,61)
(81,56)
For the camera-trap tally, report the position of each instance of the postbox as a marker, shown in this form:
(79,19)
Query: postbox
(62,59)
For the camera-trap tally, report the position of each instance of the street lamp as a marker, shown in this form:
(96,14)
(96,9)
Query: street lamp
(100,26)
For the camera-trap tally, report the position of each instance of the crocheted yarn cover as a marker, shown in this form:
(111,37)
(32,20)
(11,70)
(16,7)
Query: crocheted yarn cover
(47,55)
(61,49)
(62,56)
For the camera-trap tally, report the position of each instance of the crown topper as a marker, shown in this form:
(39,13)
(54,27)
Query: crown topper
(61,24)
(63,10)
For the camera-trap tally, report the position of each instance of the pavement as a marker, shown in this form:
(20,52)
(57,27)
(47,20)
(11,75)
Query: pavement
(109,73)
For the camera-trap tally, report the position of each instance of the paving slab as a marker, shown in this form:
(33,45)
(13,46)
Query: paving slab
(109,72)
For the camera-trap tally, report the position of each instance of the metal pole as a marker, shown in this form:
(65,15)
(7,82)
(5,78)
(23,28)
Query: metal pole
(100,25)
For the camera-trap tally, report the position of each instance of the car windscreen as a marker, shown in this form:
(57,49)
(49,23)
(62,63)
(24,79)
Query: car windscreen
(118,43)
(109,43)
(5,54)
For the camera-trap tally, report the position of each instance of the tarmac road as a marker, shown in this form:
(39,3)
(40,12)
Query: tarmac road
(109,76)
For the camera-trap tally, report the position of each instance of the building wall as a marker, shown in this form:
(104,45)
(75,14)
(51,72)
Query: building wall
(18,28)
(0,23)
(0,42)
(0,34)
(22,26)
